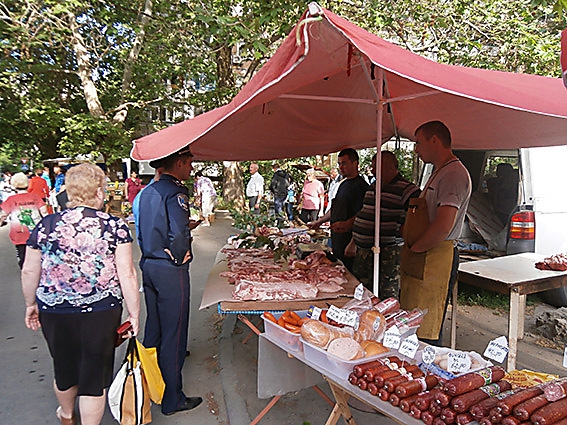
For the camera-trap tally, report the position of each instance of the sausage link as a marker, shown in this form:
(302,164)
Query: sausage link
(463,402)
(472,380)
(551,413)
(524,410)
(506,405)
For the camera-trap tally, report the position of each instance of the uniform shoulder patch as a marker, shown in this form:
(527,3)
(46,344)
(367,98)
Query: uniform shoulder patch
(183,201)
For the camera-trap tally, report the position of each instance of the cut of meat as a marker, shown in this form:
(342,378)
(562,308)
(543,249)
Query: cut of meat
(556,262)
(246,290)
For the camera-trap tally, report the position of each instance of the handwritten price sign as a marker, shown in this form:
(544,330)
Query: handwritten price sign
(458,362)
(359,292)
(316,313)
(392,338)
(409,346)
(497,349)
(342,316)
(428,355)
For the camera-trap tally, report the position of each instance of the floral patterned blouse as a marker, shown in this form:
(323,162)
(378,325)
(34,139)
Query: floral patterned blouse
(78,269)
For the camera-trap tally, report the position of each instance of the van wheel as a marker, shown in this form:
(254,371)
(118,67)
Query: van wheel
(556,297)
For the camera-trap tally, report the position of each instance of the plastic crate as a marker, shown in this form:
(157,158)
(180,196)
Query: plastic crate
(335,365)
(289,339)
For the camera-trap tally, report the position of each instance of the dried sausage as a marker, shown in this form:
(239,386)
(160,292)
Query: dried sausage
(464,418)
(463,402)
(359,369)
(482,408)
(472,380)
(506,405)
(448,415)
(423,401)
(524,410)
(550,413)
(406,403)
(415,386)
(415,412)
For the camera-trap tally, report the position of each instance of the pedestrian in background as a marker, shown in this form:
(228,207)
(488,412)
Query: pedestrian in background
(255,189)
(133,186)
(206,195)
(38,185)
(59,178)
(279,185)
(336,179)
(77,273)
(23,211)
(165,241)
(311,197)
(45,175)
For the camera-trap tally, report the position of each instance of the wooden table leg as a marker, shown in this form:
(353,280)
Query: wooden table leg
(513,328)
(341,407)
(454,306)
(266,409)
(522,317)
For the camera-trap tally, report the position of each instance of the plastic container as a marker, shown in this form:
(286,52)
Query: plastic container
(289,339)
(442,373)
(335,365)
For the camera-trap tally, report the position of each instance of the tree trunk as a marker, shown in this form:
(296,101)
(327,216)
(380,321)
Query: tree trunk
(233,185)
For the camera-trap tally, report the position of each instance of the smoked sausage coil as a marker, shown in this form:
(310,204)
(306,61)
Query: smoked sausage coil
(464,418)
(506,405)
(415,412)
(359,369)
(448,415)
(406,403)
(551,413)
(427,417)
(524,410)
(394,400)
(423,400)
(473,380)
(371,373)
(463,402)
(372,388)
(415,386)
(482,408)
(442,398)
(510,420)
(391,384)
(438,421)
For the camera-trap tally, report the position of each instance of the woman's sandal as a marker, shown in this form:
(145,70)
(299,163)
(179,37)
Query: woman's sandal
(65,421)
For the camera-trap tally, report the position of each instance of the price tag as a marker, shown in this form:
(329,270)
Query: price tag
(392,338)
(316,313)
(359,292)
(428,355)
(458,362)
(497,349)
(565,357)
(409,346)
(343,316)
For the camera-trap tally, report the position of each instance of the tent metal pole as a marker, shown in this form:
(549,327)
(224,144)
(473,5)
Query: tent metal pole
(378,92)
(376,248)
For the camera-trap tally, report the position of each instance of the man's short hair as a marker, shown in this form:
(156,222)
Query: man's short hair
(351,153)
(390,157)
(169,160)
(435,128)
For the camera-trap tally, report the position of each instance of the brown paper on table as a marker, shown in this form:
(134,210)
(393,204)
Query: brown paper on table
(218,290)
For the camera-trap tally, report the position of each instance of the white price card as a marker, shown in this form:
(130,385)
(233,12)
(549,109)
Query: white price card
(497,349)
(428,355)
(343,316)
(458,362)
(392,338)
(358,292)
(565,357)
(316,313)
(409,346)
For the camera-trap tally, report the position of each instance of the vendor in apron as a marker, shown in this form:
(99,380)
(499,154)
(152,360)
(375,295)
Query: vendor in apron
(429,259)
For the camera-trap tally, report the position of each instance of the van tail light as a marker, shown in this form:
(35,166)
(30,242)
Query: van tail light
(522,225)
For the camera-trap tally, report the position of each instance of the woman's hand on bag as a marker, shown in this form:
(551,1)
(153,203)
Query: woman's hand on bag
(32,317)
(135,324)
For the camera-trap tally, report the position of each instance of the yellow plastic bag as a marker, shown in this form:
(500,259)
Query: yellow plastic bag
(152,372)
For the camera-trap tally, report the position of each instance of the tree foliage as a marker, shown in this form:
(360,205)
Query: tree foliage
(84,77)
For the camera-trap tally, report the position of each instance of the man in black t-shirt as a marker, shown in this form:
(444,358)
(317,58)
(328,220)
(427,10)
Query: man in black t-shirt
(347,202)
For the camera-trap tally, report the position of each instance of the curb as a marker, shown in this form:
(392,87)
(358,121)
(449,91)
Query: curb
(236,409)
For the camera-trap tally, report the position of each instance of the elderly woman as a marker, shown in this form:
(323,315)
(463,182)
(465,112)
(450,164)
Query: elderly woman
(77,272)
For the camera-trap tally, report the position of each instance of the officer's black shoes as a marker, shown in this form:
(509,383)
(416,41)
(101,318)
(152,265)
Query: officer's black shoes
(190,403)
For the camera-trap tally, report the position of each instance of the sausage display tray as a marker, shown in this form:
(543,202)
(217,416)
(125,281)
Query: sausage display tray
(289,339)
(333,364)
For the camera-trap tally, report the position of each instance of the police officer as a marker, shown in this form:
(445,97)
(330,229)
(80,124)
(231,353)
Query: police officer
(165,241)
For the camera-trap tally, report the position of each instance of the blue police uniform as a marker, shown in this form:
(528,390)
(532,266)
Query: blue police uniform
(164,225)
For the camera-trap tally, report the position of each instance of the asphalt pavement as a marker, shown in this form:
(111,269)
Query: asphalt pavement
(221,368)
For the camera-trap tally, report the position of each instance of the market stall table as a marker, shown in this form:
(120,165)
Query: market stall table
(299,372)
(514,275)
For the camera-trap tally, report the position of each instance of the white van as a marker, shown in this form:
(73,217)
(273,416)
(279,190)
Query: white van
(525,212)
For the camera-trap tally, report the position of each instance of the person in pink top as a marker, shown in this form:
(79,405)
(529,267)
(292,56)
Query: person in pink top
(312,197)
(23,210)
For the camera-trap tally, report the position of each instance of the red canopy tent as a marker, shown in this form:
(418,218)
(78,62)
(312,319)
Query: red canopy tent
(333,85)
(326,88)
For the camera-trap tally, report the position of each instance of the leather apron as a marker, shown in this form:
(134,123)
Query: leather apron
(424,275)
